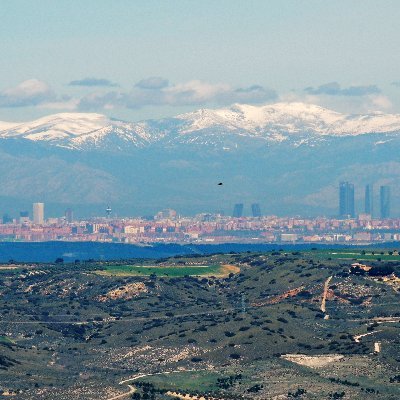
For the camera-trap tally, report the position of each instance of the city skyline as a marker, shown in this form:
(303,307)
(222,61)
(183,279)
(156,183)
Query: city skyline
(168,226)
(347,207)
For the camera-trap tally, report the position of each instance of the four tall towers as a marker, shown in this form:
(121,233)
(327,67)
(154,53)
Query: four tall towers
(346,202)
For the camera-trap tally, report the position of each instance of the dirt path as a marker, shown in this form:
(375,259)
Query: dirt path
(132,389)
(326,287)
(358,337)
(279,298)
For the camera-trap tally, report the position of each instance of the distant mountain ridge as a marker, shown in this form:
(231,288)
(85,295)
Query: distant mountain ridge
(288,157)
(222,128)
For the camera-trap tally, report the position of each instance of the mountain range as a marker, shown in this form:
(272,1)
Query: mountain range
(289,157)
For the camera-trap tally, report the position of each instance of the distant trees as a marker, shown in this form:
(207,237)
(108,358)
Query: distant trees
(336,395)
(381,270)
(255,388)
(297,394)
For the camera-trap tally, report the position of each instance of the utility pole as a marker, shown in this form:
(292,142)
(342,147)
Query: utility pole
(243,304)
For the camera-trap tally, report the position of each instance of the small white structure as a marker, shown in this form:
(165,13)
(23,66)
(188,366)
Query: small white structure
(377,347)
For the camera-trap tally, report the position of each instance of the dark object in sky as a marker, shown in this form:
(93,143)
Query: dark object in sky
(220,184)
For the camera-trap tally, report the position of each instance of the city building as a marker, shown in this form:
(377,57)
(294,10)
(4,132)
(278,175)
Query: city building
(23,217)
(69,215)
(346,200)
(385,201)
(168,213)
(238,210)
(38,213)
(207,228)
(256,210)
(369,200)
(7,219)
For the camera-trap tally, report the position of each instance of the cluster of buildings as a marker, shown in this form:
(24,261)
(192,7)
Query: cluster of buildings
(346,200)
(169,227)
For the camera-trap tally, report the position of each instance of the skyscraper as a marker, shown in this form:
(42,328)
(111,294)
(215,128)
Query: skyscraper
(385,201)
(69,215)
(369,199)
(256,210)
(346,200)
(38,213)
(238,210)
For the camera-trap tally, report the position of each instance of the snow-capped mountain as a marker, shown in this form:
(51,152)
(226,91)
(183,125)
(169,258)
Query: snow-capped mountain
(227,127)
(80,131)
(56,127)
(289,118)
(289,157)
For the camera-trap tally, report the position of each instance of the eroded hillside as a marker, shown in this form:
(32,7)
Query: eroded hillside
(279,325)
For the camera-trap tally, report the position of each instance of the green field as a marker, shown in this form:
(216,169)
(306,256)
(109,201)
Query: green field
(167,271)
(353,254)
(6,340)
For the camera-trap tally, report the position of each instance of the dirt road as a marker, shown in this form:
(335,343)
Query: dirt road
(326,287)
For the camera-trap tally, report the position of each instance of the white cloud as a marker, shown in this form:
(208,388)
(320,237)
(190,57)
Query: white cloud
(154,82)
(156,91)
(334,89)
(93,82)
(344,104)
(194,92)
(69,104)
(381,102)
(28,93)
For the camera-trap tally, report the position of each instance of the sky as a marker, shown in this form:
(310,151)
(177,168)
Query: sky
(136,60)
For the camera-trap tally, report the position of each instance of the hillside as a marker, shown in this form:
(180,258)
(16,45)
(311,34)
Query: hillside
(255,331)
